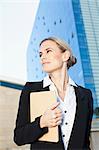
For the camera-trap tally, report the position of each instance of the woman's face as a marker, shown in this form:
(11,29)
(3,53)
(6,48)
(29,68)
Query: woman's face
(51,56)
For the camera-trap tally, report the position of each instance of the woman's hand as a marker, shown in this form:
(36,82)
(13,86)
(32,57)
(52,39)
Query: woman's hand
(52,117)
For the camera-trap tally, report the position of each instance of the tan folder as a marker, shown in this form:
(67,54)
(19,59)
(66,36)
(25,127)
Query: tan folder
(39,102)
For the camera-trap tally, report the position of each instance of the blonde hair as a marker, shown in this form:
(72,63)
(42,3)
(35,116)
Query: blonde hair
(62,45)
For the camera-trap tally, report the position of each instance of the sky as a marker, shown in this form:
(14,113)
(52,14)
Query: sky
(17,19)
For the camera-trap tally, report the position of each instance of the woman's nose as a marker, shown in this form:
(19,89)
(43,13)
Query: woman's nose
(43,56)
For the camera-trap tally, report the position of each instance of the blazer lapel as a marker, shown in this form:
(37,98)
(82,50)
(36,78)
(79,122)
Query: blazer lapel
(78,130)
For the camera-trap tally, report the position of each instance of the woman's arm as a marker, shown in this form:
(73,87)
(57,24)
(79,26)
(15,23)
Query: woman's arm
(25,131)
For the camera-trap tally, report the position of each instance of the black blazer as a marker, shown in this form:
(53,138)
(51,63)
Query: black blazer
(28,133)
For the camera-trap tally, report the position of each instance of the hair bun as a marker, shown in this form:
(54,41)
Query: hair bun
(72,61)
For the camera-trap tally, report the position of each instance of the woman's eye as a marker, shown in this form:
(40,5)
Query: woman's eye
(40,54)
(48,51)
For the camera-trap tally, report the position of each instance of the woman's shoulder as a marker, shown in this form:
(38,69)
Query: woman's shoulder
(84,89)
(32,85)
(28,83)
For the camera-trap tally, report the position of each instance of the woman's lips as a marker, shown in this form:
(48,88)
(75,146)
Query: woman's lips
(45,63)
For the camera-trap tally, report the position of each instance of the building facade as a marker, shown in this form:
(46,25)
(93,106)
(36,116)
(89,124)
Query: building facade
(87,25)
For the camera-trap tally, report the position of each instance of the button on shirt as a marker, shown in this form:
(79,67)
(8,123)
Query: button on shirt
(68,108)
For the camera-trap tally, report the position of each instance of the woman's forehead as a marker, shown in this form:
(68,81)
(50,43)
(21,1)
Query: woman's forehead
(48,44)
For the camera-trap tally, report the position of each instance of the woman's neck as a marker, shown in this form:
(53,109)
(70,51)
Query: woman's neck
(60,79)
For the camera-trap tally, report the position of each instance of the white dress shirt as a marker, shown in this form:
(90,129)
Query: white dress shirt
(68,108)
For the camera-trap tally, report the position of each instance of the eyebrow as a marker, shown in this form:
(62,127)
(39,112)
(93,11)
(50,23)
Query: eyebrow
(46,49)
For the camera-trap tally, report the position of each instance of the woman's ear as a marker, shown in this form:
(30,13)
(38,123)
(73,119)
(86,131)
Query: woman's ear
(66,55)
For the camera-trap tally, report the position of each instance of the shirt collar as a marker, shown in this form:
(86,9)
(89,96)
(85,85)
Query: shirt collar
(47,81)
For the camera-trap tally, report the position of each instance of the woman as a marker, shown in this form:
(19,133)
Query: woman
(72,112)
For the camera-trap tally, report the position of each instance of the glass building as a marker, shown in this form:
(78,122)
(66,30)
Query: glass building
(76,22)
(86,14)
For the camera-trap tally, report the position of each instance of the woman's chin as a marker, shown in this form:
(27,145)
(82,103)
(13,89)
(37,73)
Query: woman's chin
(47,70)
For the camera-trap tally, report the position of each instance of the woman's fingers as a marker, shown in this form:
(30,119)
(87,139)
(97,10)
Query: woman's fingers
(57,119)
(55,122)
(56,115)
(59,122)
(52,116)
(54,105)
